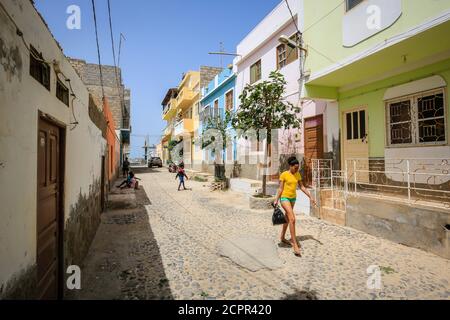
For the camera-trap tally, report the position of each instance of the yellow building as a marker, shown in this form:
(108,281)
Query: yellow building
(180,111)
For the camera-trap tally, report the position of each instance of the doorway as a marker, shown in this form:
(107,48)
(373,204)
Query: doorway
(50,216)
(356,144)
(313,144)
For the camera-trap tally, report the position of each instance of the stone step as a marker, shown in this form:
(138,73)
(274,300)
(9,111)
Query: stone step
(333,215)
(338,204)
(122,201)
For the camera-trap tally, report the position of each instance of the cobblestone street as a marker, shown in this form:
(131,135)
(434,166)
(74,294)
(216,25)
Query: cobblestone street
(169,250)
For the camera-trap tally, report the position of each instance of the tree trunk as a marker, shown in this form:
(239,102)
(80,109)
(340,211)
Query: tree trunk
(267,158)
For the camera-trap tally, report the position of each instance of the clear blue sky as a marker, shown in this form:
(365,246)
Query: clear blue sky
(164,38)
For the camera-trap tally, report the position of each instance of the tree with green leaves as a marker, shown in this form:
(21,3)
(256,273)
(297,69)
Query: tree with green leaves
(263,109)
(216,131)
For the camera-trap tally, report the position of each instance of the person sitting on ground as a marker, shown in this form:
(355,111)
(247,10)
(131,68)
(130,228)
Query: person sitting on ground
(130,182)
(181,175)
(134,183)
(126,182)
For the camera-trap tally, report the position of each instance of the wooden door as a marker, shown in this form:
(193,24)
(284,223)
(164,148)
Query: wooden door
(48,210)
(313,144)
(356,145)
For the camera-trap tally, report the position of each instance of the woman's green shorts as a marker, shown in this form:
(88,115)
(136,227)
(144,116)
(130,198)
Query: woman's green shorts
(291,200)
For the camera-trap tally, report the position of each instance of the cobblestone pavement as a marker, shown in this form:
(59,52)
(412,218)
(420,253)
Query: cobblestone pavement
(188,225)
(169,251)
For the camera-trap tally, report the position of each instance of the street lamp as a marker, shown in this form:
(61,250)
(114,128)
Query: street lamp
(292,44)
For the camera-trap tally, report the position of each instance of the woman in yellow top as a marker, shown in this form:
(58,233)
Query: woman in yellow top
(287,194)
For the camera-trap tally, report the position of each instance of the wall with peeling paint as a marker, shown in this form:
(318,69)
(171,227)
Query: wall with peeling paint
(21,98)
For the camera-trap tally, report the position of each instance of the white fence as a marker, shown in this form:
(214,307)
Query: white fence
(425,181)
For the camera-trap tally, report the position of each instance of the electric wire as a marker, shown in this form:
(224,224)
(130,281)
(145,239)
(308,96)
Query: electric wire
(322,18)
(292,17)
(98,49)
(119,87)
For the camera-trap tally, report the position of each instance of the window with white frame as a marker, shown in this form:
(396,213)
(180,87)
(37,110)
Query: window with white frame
(417,120)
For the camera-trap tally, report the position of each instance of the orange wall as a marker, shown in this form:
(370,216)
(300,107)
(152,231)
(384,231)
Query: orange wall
(111,140)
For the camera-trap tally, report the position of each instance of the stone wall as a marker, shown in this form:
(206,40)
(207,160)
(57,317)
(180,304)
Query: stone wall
(21,286)
(112,86)
(416,226)
(96,116)
(82,225)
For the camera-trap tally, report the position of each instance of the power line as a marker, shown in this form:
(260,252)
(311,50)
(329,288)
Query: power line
(292,16)
(325,16)
(325,56)
(98,49)
(119,87)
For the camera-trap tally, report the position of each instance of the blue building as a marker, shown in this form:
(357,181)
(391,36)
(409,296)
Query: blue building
(218,97)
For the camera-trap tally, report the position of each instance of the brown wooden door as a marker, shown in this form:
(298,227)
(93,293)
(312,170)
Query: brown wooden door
(48,210)
(313,144)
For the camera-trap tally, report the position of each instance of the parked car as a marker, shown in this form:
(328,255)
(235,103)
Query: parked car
(155,162)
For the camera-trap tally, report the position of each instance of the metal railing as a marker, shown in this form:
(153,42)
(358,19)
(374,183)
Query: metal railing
(424,181)
(211,113)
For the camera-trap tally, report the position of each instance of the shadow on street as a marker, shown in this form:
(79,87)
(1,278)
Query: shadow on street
(124,261)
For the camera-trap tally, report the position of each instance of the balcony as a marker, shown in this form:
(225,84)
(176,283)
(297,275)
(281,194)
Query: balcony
(126,123)
(184,126)
(167,132)
(185,98)
(170,110)
(125,136)
(211,113)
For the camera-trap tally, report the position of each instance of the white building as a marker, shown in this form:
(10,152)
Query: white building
(51,159)
(260,53)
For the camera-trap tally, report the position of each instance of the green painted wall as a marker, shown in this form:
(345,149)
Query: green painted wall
(372,97)
(325,35)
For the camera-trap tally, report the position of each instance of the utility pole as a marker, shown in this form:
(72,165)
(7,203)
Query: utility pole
(146,147)
(221,56)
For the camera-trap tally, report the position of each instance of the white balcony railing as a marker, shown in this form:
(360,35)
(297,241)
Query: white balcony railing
(425,181)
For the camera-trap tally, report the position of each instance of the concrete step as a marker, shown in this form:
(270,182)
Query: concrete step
(246,186)
(333,215)
(249,186)
(120,201)
(338,204)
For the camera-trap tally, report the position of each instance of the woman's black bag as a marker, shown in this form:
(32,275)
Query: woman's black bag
(278,216)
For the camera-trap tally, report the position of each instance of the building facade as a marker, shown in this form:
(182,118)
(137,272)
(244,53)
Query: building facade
(53,159)
(217,98)
(181,113)
(260,53)
(118,97)
(383,78)
(388,80)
